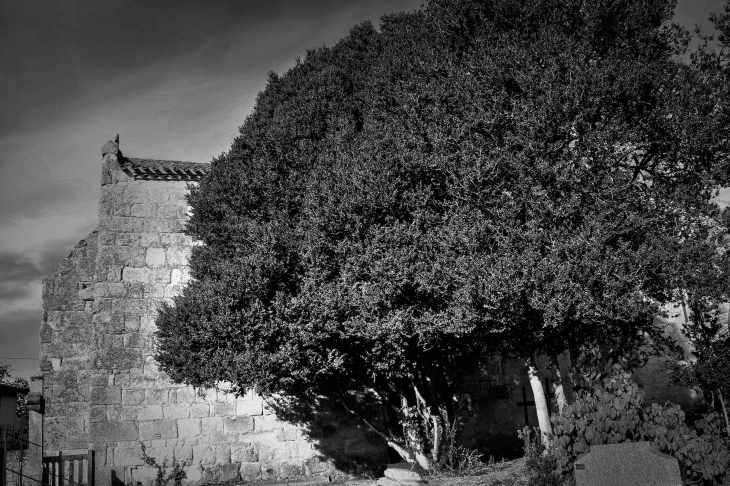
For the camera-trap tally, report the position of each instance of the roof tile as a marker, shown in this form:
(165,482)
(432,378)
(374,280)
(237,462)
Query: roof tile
(163,170)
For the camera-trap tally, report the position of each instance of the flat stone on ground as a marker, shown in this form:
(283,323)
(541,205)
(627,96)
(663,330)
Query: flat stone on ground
(627,464)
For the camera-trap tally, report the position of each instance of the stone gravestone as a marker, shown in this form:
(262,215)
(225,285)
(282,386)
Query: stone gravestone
(627,464)
(400,474)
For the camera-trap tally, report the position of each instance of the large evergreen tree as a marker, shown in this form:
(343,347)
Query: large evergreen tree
(475,177)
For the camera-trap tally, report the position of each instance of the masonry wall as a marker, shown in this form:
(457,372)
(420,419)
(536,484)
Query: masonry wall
(102,386)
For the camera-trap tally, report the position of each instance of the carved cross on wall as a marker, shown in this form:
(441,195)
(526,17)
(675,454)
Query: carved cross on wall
(524,403)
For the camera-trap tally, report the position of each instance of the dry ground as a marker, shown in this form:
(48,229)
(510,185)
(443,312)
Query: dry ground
(508,473)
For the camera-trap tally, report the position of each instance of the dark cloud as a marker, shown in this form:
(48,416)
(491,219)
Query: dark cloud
(59,52)
(20,271)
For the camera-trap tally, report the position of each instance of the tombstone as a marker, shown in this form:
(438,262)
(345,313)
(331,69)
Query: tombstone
(627,464)
(400,474)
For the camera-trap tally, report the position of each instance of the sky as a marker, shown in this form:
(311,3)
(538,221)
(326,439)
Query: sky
(175,79)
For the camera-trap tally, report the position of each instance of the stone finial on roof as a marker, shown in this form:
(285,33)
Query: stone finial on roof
(111,147)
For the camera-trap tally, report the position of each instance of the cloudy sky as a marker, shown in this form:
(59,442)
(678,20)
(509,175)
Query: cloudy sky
(175,78)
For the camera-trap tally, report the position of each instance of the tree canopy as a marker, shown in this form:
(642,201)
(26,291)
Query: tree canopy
(497,176)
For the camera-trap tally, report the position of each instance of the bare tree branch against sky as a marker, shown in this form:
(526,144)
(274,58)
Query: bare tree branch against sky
(174,78)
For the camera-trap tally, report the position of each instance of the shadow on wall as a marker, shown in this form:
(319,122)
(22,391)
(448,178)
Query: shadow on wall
(339,438)
(115,480)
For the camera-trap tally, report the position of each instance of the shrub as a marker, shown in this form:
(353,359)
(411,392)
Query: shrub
(540,464)
(613,412)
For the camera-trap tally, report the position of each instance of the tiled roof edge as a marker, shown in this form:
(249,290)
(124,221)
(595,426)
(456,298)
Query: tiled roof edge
(163,170)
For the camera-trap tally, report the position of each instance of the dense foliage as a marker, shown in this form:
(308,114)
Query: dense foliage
(475,177)
(613,412)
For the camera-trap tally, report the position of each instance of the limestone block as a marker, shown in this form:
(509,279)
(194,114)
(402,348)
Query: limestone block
(199,410)
(130,274)
(244,452)
(106,395)
(238,425)
(268,423)
(78,409)
(128,239)
(112,431)
(147,324)
(304,449)
(97,413)
(250,470)
(132,323)
(206,396)
(150,367)
(132,397)
(222,453)
(136,290)
(149,412)
(122,380)
(185,394)
(128,456)
(188,427)
(143,210)
(143,474)
(203,454)
(176,276)
(178,255)
(133,340)
(46,333)
(155,291)
(161,225)
(176,410)
(193,474)
(113,413)
(155,257)
(223,409)
(156,395)
(175,239)
(136,307)
(149,240)
(116,356)
(288,433)
(160,276)
(142,192)
(161,455)
(110,290)
(146,430)
(111,273)
(291,469)
(212,426)
(184,454)
(226,473)
(167,211)
(121,255)
(250,407)
(107,238)
(86,293)
(158,430)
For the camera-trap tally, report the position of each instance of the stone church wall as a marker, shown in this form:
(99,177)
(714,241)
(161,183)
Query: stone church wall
(102,386)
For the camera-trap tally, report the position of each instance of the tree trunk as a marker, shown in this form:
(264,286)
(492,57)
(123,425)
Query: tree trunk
(558,384)
(724,411)
(543,418)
